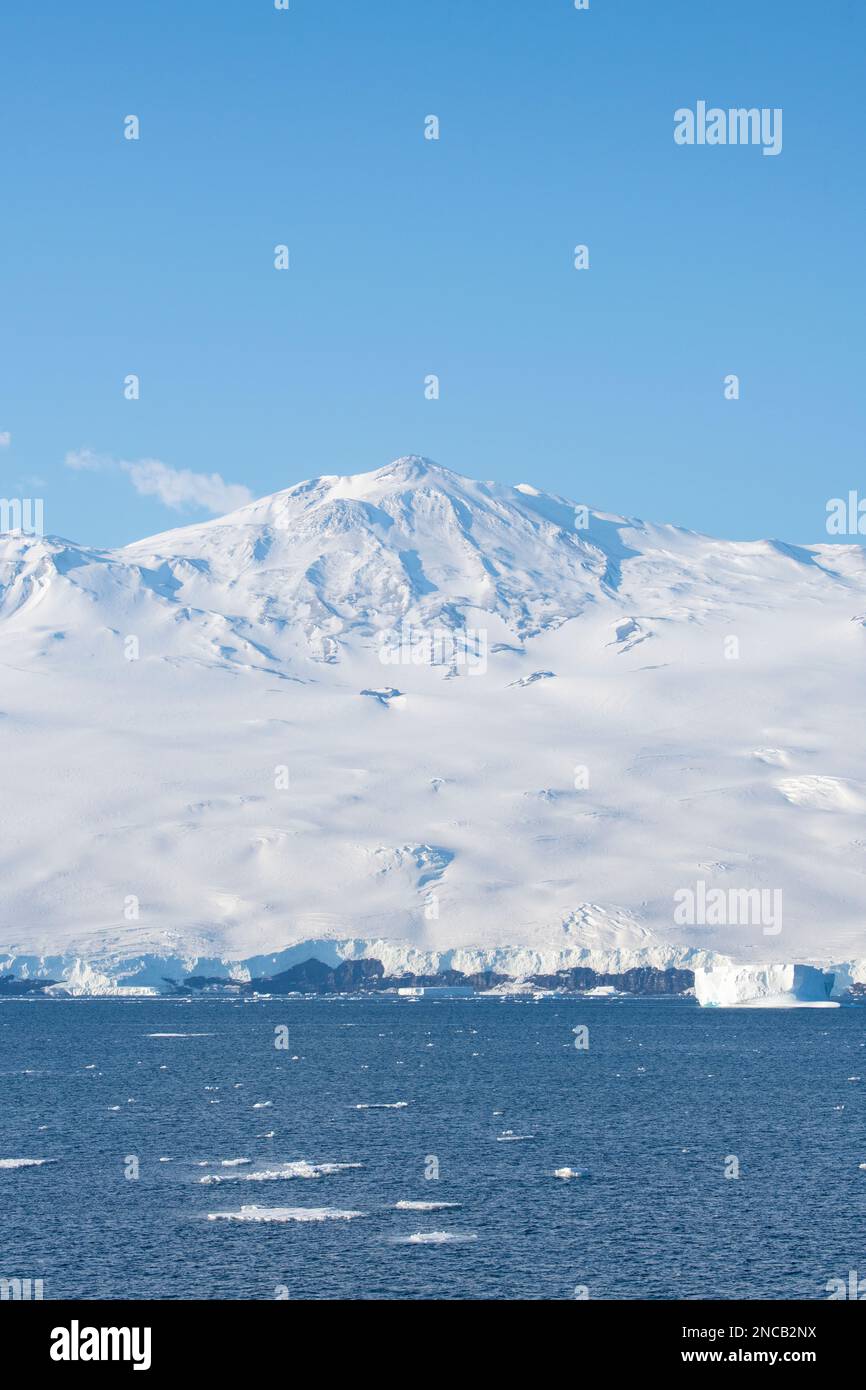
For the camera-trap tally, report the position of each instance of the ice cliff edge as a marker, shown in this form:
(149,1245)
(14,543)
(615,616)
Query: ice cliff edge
(729,986)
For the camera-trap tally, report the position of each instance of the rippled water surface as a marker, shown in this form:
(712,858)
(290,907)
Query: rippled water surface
(373,1096)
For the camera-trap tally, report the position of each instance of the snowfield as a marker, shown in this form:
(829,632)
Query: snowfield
(441,722)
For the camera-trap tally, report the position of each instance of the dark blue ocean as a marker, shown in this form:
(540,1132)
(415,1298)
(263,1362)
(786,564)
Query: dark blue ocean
(665,1094)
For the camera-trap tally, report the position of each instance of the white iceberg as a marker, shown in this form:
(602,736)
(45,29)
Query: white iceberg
(775,986)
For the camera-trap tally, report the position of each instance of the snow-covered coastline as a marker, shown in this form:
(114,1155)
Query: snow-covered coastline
(719,980)
(442,723)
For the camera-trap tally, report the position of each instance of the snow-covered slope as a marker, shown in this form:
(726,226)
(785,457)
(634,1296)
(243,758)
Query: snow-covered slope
(418,715)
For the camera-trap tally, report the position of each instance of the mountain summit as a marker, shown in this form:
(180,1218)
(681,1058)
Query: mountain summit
(328,563)
(409,707)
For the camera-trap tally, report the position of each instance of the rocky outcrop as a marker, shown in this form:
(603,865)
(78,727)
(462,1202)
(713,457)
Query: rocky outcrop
(312,977)
(366,976)
(641,980)
(10,985)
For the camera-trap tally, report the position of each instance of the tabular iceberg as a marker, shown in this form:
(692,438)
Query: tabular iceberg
(731,986)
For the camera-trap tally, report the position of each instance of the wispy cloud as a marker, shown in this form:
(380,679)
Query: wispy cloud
(180,487)
(177,488)
(5,439)
(88,461)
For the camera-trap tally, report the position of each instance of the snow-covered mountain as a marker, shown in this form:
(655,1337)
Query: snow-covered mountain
(434,720)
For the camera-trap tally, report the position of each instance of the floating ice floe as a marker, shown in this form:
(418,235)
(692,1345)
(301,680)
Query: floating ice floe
(392,1105)
(444,1206)
(284,1214)
(571,1173)
(23,1162)
(262,1104)
(509,1137)
(436,1238)
(299,1169)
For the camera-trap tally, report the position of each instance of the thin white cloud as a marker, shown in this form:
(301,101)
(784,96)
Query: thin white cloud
(87,461)
(175,487)
(5,439)
(180,487)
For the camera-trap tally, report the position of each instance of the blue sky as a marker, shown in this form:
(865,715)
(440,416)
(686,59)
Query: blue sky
(411,257)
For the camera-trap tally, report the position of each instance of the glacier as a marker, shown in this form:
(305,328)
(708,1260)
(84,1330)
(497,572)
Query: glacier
(439,722)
